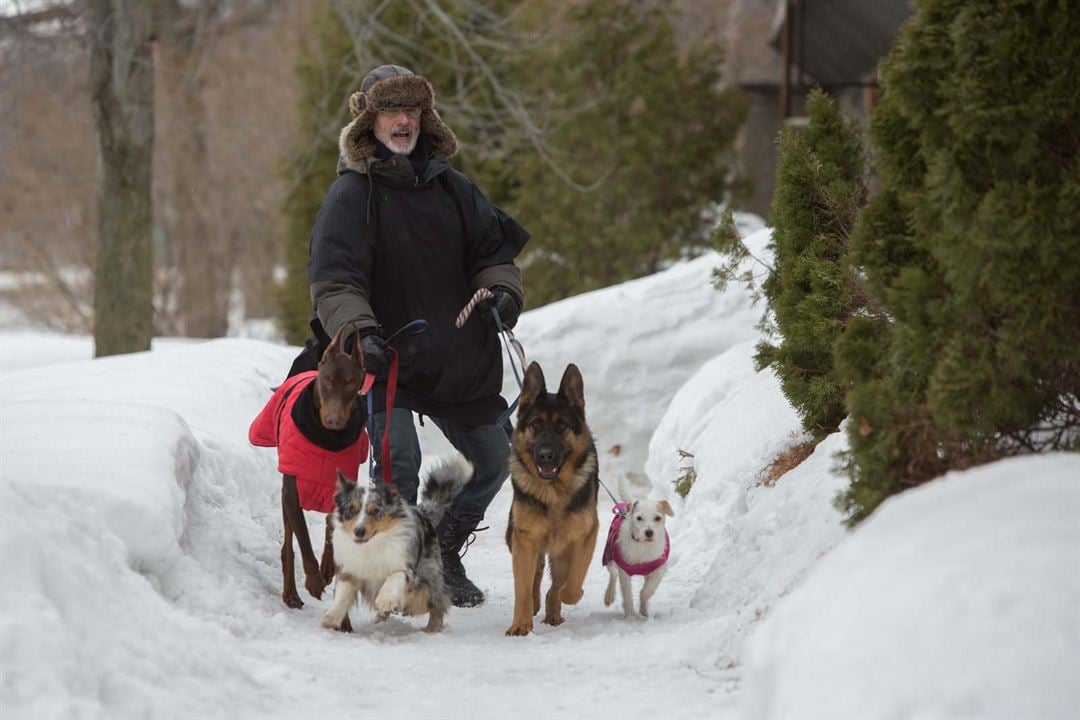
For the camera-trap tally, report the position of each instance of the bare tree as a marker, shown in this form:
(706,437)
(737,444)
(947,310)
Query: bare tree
(198,245)
(47,183)
(468,34)
(47,188)
(122,91)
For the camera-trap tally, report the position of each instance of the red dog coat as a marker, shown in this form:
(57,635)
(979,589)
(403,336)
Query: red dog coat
(315,467)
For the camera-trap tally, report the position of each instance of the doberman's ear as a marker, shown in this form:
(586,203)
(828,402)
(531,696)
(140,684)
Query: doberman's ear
(534,385)
(572,388)
(665,508)
(357,354)
(332,348)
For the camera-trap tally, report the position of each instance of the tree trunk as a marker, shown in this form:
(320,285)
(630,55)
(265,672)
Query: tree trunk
(122,90)
(199,245)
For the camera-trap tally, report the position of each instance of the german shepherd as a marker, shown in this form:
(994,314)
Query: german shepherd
(554,472)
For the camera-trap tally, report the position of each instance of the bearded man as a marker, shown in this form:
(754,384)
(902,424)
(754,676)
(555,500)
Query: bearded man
(402,236)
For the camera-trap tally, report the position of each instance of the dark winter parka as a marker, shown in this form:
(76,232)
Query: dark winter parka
(399,239)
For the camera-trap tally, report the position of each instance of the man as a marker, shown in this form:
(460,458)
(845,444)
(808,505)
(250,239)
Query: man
(403,236)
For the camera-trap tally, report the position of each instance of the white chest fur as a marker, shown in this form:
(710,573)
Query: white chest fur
(373,561)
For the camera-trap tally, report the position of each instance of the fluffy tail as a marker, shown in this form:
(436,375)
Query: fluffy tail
(444,481)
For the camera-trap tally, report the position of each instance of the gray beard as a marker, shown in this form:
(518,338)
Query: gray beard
(388,141)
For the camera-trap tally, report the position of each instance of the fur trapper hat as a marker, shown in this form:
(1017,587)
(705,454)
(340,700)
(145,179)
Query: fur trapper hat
(392,86)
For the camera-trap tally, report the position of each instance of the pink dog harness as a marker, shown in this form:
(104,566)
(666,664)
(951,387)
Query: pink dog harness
(613,554)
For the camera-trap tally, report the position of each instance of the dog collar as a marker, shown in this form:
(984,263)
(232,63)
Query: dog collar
(612,553)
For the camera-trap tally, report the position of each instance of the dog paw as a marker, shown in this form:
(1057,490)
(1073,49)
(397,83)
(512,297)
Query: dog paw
(330,621)
(609,597)
(435,623)
(554,620)
(346,625)
(387,605)
(327,572)
(520,629)
(315,586)
(644,611)
(292,600)
(571,596)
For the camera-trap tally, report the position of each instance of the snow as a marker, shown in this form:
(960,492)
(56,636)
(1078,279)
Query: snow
(140,537)
(960,598)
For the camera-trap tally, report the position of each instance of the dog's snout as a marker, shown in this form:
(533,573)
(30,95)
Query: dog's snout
(546,456)
(333,415)
(648,533)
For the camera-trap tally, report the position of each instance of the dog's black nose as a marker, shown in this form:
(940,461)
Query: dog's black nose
(545,456)
(648,532)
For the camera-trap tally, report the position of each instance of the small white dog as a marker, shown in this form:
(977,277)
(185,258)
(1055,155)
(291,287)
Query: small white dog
(637,544)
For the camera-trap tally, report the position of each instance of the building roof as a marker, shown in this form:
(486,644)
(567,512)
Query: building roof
(843,40)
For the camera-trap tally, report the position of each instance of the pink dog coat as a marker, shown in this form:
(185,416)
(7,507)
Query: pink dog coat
(613,554)
(315,467)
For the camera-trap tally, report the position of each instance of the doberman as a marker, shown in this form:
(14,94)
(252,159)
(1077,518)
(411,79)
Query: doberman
(334,393)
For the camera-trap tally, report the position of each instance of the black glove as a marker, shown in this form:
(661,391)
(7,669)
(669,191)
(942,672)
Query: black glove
(376,361)
(505,304)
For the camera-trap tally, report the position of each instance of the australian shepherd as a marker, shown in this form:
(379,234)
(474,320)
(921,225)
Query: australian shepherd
(386,550)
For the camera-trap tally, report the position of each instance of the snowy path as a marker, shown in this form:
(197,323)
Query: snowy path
(155,591)
(589,666)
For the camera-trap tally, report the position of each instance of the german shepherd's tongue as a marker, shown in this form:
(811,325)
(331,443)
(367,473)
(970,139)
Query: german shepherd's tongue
(548,472)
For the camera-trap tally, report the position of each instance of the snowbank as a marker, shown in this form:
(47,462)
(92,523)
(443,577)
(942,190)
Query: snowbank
(739,546)
(110,473)
(636,344)
(958,599)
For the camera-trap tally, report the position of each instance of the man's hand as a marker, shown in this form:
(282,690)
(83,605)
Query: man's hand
(505,304)
(376,361)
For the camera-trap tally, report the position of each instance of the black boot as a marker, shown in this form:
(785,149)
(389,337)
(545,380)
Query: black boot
(453,534)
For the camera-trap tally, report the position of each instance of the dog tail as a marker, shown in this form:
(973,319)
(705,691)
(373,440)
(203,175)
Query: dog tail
(448,475)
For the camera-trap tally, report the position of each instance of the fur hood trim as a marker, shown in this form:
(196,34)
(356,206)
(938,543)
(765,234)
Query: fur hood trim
(357,142)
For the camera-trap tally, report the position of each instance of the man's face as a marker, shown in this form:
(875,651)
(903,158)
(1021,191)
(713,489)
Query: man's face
(398,129)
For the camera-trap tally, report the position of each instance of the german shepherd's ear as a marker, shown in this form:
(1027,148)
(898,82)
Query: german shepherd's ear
(663,507)
(534,385)
(572,388)
(332,348)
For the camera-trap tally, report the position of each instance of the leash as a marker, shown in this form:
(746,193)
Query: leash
(512,344)
(616,510)
(509,341)
(406,331)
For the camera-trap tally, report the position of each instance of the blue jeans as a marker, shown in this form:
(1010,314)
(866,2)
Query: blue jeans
(486,447)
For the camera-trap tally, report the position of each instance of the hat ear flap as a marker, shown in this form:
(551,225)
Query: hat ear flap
(357,103)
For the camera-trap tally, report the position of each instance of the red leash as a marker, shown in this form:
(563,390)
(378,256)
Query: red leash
(405,331)
(391,391)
